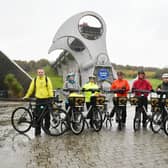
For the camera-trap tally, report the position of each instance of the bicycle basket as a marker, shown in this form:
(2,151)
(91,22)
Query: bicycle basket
(166,102)
(154,102)
(133,100)
(76,101)
(120,100)
(156,109)
(97,100)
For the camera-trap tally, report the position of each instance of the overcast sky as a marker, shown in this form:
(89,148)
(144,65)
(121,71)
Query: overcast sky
(137,30)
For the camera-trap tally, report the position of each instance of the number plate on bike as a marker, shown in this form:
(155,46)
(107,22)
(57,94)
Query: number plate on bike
(97,100)
(154,102)
(133,100)
(76,101)
(120,100)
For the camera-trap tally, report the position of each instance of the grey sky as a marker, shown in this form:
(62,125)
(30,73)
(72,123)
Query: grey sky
(137,30)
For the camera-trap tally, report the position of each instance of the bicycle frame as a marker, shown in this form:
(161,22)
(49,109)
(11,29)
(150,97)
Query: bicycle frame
(139,102)
(44,109)
(118,103)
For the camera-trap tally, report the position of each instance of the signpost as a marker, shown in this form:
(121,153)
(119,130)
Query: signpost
(103,74)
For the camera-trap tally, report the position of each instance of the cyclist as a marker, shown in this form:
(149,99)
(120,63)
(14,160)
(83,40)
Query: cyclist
(42,87)
(142,84)
(163,87)
(89,85)
(120,83)
(164,84)
(70,83)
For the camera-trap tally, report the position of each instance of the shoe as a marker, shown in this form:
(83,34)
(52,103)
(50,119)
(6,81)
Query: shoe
(123,124)
(144,125)
(37,132)
(47,130)
(91,125)
(34,124)
(162,127)
(116,120)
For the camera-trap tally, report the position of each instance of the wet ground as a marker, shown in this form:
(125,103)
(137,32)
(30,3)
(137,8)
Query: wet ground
(106,149)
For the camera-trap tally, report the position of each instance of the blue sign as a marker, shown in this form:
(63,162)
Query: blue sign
(103,74)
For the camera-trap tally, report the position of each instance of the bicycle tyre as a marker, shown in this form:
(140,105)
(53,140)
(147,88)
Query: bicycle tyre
(165,125)
(137,121)
(77,123)
(21,119)
(58,122)
(156,122)
(96,120)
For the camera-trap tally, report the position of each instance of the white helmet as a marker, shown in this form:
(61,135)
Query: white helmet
(92,76)
(165,75)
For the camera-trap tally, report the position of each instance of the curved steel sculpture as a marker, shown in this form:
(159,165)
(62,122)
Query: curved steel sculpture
(86,43)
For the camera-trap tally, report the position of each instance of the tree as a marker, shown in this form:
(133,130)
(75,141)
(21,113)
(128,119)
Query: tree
(15,89)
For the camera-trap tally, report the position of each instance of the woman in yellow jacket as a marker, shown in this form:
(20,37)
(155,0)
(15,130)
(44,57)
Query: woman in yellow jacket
(90,85)
(42,89)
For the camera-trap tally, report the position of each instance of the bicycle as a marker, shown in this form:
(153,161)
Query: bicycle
(97,104)
(75,111)
(159,116)
(106,118)
(138,101)
(23,118)
(75,118)
(119,103)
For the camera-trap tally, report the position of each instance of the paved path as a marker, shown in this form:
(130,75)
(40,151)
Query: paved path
(109,148)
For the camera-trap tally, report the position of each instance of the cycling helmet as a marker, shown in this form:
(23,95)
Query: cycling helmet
(92,77)
(70,74)
(141,72)
(165,75)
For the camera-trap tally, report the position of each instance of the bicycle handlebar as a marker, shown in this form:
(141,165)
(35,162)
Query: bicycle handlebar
(81,90)
(162,91)
(121,91)
(141,91)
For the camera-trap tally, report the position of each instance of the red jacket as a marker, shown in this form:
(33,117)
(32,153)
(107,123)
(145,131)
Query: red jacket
(142,84)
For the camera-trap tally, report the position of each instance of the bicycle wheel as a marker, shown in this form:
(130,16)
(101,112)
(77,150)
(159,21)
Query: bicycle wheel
(21,119)
(58,122)
(96,120)
(156,122)
(107,120)
(76,123)
(165,125)
(137,120)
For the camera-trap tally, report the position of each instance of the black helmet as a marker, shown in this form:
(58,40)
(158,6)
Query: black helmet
(141,71)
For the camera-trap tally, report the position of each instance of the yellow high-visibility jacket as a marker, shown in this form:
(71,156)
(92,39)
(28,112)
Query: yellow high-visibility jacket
(89,85)
(42,89)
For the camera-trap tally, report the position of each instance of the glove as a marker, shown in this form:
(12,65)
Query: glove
(83,89)
(24,98)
